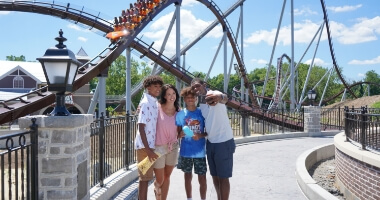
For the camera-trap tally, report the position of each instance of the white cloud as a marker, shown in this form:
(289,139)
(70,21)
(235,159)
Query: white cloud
(189,3)
(361,75)
(303,33)
(191,27)
(365,62)
(304,12)
(317,62)
(77,28)
(83,39)
(365,30)
(5,12)
(344,8)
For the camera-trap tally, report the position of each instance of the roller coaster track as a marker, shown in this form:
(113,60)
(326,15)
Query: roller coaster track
(351,86)
(332,49)
(109,54)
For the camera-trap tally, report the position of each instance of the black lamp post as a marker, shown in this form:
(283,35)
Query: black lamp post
(311,95)
(60,67)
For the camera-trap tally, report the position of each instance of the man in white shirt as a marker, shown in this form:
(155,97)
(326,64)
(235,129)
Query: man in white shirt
(220,145)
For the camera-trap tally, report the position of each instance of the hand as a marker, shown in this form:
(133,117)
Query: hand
(181,135)
(197,136)
(213,99)
(151,155)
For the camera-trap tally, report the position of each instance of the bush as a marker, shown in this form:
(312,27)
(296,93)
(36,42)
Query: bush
(376,105)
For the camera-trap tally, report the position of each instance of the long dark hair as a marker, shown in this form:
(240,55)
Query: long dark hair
(163,92)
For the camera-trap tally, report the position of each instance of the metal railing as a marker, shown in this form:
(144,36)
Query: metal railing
(332,118)
(112,146)
(270,121)
(363,127)
(19,164)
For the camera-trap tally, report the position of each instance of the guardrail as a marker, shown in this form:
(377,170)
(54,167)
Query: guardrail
(112,146)
(363,126)
(19,164)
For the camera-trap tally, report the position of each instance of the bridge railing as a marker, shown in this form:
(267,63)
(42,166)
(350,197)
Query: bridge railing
(270,121)
(112,146)
(332,118)
(19,164)
(362,127)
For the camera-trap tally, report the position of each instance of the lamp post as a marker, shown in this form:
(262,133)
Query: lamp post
(60,68)
(311,95)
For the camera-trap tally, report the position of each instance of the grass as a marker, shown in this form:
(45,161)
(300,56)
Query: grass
(376,105)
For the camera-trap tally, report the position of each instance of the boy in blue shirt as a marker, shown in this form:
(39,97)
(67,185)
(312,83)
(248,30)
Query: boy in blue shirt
(191,125)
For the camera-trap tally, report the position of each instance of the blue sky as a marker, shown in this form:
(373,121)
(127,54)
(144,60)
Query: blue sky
(355,28)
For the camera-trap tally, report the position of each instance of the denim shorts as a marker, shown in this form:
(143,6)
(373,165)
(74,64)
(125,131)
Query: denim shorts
(220,158)
(200,166)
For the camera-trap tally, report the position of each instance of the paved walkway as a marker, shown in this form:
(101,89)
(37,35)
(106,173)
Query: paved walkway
(262,170)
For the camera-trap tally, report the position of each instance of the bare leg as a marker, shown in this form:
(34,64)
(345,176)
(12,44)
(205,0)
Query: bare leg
(202,185)
(143,190)
(159,181)
(165,186)
(188,178)
(215,180)
(224,186)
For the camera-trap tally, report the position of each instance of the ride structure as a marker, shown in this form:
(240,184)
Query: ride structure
(123,33)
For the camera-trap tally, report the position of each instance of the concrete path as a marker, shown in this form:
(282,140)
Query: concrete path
(262,170)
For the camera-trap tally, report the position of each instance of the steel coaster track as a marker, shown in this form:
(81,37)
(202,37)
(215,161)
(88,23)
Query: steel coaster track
(109,54)
(350,86)
(96,65)
(332,49)
(226,27)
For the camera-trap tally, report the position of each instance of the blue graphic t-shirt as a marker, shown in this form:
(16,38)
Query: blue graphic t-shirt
(194,121)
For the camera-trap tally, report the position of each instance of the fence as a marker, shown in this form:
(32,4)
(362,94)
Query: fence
(112,146)
(19,164)
(332,118)
(363,126)
(263,125)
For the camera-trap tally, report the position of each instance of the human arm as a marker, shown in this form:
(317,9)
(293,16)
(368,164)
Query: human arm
(180,132)
(214,97)
(151,155)
(198,136)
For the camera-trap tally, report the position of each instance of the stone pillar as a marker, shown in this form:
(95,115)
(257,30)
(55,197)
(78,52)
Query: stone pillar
(63,155)
(312,120)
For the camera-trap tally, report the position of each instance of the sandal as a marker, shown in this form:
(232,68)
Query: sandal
(157,192)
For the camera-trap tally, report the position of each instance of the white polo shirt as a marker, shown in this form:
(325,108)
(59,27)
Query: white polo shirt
(148,115)
(218,126)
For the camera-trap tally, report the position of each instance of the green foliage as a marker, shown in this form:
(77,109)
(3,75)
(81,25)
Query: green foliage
(373,77)
(376,105)
(15,58)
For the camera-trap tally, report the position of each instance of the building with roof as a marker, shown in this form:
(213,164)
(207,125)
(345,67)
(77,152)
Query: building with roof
(18,78)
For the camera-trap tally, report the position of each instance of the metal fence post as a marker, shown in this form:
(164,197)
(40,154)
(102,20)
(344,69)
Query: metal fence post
(101,150)
(347,124)
(282,119)
(363,122)
(339,125)
(127,140)
(34,160)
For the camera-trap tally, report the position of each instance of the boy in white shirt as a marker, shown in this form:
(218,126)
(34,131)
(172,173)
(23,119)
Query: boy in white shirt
(146,136)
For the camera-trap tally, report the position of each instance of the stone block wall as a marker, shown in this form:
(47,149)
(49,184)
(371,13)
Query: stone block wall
(63,155)
(360,180)
(312,116)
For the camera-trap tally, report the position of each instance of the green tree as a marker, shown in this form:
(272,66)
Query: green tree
(373,77)
(15,58)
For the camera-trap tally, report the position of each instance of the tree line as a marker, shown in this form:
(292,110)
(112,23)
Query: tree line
(116,81)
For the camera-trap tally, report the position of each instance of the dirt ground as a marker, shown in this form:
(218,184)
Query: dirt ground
(357,103)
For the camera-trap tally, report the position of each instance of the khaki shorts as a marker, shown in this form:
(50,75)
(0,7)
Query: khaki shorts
(149,174)
(170,158)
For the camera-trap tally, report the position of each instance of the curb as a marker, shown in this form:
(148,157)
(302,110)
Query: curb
(304,162)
